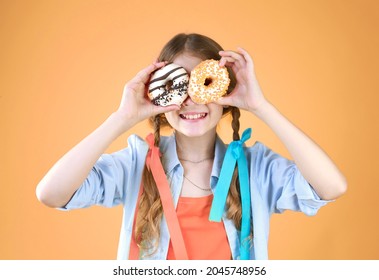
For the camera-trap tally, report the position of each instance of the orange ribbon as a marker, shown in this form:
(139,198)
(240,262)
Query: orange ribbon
(154,164)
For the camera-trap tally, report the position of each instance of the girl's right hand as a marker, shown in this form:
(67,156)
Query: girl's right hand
(135,106)
(65,177)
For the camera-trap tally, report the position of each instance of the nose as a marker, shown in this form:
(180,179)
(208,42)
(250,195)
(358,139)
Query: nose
(188,101)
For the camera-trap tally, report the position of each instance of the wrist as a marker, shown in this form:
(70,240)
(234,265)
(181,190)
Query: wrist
(119,123)
(261,109)
(270,115)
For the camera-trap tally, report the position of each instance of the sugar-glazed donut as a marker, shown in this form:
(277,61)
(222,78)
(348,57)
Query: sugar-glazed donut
(208,82)
(168,85)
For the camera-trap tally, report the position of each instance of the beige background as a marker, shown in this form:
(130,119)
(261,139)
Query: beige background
(63,68)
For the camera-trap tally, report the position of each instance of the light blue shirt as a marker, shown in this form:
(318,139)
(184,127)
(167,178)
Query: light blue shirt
(275,182)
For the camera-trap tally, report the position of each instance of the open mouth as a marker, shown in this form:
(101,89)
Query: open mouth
(193,116)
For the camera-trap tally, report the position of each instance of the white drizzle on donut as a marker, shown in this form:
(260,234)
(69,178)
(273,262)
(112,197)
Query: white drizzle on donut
(168,85)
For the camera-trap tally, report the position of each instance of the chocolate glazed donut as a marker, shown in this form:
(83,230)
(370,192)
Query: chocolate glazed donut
(168,85)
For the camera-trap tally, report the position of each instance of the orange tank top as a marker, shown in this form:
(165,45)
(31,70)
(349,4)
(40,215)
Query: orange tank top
(204,240)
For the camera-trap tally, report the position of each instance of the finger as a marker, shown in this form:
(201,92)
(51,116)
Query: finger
(226,61)
(233,54)
(224,101)
(232,63)
(246,55)
(222,62)
(232,57)
(144,74)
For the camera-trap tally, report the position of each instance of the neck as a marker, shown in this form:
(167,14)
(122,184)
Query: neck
(195,148)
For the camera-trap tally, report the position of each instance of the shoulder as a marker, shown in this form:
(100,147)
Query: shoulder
(136,141)
(257,150)
(263,159)
(137,145)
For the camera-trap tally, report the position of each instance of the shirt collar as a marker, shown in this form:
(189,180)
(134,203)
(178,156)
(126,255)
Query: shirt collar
(169,156)
(220,150)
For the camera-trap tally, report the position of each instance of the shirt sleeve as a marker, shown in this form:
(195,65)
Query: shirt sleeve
(281,184)
(108,179)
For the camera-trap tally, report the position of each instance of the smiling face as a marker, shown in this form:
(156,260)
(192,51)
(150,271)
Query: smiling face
(194,120)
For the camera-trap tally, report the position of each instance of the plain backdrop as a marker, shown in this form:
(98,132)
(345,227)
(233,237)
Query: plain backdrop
(63,68)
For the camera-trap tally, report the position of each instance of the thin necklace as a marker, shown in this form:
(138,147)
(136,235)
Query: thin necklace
(206,190)
(182,159)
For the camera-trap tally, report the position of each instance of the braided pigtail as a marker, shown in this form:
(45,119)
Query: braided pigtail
(236,123)
(233,201)
(150,210)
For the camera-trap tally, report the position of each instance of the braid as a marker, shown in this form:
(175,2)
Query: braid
(150,206)
(236,122)
(157,129)
(234,199)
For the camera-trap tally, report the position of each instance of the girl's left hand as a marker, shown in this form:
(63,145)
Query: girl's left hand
(247,94)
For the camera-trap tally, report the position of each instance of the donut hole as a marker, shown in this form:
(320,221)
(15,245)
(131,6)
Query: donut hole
(208,81)
(168,85)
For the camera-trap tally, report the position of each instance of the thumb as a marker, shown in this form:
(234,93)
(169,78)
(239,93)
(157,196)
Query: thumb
(224,101)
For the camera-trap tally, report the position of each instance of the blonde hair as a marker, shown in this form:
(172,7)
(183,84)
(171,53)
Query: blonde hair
(150,210)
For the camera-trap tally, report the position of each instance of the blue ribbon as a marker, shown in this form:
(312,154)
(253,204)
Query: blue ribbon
(235,155)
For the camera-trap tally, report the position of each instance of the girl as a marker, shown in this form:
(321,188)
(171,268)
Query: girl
(192,159)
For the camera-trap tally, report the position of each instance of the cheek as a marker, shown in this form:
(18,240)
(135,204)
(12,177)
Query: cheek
(170,117)
(216,110)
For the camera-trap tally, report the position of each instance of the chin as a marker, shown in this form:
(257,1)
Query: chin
(191,134)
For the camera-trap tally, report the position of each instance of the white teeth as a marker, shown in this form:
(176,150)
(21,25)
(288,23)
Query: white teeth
(193,116)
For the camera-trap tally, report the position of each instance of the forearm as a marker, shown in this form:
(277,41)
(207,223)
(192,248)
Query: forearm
(65,177)
(314,164)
